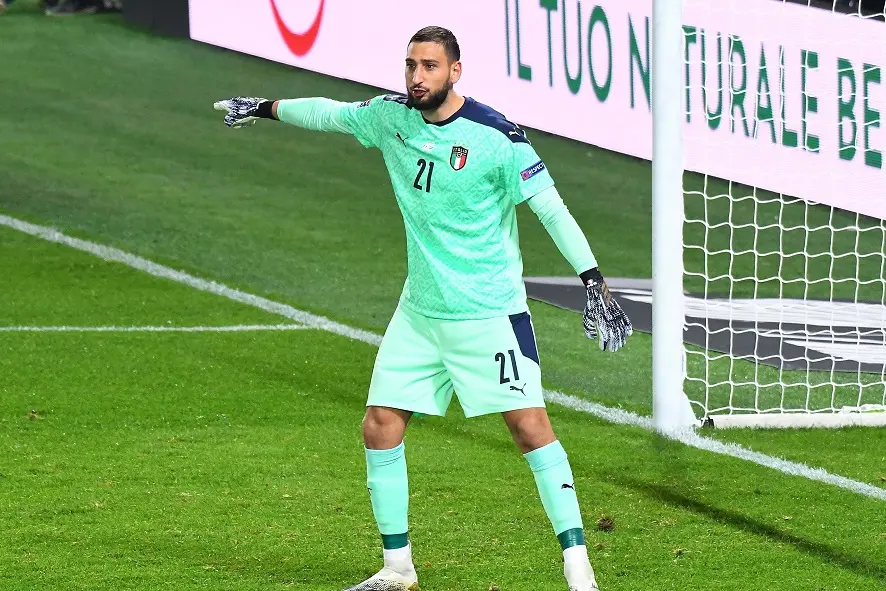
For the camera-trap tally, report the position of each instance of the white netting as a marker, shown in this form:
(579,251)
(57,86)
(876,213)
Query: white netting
(786,297)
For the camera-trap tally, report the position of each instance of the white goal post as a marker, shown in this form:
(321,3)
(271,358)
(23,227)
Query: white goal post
(769,199)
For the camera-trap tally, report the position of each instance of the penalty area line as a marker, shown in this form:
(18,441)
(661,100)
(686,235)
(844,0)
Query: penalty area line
(606,413)
(234,328)
(693,439)
(115,255)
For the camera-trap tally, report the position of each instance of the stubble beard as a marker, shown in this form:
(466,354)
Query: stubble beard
(430,101)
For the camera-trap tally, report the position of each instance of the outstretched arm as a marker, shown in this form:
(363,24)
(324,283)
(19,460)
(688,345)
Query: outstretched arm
(317,114)
(362,120)
(603,317)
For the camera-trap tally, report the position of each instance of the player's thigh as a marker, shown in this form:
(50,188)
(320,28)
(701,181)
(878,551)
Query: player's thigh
(409,373)
(493,363)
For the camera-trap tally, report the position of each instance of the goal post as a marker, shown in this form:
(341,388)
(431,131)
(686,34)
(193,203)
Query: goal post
(671,409)
(768,207)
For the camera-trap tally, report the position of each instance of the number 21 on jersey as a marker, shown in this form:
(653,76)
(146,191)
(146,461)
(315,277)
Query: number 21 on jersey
(422,181)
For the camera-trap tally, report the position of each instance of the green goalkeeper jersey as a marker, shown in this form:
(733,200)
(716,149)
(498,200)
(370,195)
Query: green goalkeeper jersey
(457,183)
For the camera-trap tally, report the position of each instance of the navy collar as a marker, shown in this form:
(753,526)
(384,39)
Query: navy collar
(461,110)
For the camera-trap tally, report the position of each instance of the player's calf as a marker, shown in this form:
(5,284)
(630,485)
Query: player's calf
(556,487)
(387,482)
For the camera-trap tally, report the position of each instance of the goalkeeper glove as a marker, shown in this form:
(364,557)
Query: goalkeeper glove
(603,317)
(244,111)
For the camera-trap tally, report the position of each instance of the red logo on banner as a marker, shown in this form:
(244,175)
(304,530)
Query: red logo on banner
(299,43)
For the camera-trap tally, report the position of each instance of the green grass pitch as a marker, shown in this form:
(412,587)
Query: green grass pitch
(233,461)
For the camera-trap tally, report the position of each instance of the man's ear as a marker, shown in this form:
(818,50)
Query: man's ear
(455,74)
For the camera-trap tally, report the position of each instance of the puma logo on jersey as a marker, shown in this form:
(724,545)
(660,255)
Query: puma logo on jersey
(401,138)
(520,390)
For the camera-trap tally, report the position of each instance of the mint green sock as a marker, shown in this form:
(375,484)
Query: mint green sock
(389,494)
(553,477)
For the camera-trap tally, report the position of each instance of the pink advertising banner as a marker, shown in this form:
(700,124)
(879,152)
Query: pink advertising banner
(778,96)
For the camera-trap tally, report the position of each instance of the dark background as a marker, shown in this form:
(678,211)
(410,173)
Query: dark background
(162,17)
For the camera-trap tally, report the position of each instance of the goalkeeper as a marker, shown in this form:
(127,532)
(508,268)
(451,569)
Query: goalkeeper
(462,325)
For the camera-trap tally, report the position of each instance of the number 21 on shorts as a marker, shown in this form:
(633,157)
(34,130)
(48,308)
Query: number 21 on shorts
(502,361)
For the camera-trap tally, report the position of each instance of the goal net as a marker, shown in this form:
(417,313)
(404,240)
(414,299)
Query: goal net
(784,195)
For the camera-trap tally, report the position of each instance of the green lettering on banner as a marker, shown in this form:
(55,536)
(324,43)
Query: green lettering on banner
(788,137)
(550,6)
(574,84)
(810,103)
(871,116)
(508,35)
(636,57)
(737,94)
(691,37)
(524,72)
(846,109)
(715,117)
(598,15)
(764,113)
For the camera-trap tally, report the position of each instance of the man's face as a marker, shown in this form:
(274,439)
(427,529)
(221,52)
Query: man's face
(429,75)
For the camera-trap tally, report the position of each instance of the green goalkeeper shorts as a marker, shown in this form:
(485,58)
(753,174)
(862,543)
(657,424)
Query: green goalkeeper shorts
(491,365)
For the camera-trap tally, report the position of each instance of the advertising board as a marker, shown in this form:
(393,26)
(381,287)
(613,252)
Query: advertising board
(778,96)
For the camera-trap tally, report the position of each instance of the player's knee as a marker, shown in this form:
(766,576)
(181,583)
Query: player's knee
(372,424)
(382,428)
(532,430)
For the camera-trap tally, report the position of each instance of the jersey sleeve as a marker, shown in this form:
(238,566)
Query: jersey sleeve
(365,120)
(526,173)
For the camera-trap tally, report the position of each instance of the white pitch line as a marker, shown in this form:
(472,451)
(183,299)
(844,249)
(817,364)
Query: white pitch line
(116,255)
(692,439)
(606,413)
(236,328)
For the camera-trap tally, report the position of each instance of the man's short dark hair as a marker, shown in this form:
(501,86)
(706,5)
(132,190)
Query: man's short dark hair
(442,36)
